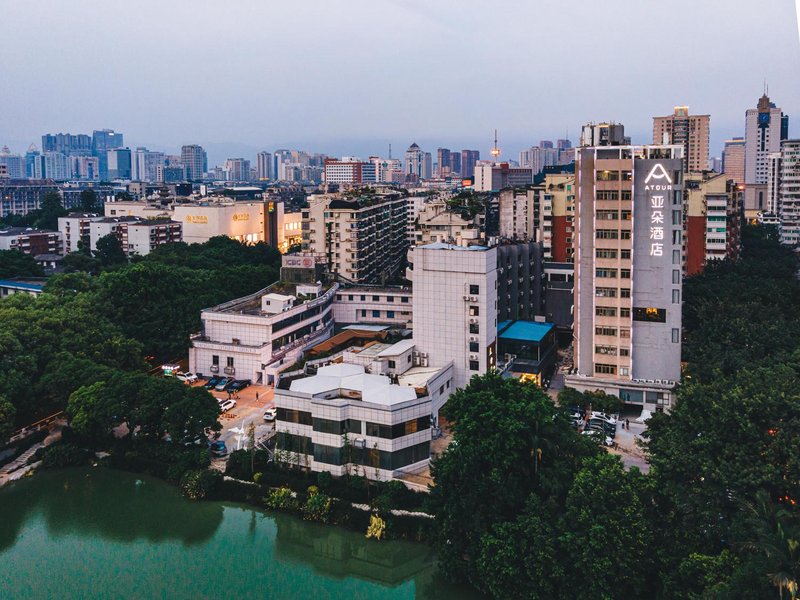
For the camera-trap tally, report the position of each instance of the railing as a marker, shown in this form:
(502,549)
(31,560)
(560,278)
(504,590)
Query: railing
(229,370)
(214,368)
(34,427)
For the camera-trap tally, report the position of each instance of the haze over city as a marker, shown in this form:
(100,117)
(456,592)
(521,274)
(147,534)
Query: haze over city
(347,80)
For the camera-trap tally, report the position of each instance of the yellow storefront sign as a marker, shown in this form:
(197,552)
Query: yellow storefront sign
(196,219)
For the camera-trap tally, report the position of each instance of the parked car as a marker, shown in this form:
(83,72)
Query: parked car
(227,405)
(604,416)
(186,377)
(239,384)
(223,384)
(270,414)
(211,383)
(599,436)
(219,449)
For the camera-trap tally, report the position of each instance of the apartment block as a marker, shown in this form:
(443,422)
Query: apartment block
(373,305)
(455,307)
(765,128)
(689,131)
(733,160)
(493,177)
(137,236)
(628,259)
(712,220)
(30,241)
(361,238)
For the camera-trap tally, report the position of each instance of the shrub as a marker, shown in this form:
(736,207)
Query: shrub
(197,485)
(324,481)
(377,527)
(257,477)
(63,455)
(317,507)
(281,499)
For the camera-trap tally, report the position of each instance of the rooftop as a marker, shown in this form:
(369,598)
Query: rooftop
(35,284)
(527,331)
(24,231)
(443,246)
(343,378)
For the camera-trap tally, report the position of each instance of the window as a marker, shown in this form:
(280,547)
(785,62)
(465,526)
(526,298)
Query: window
(215,360)
(390,298)
(604,253)
(608,176)
(474,347)
(676,276)
(624,293)
(676,257)
(625,195)
(605,331)
(676,296)
(605,272)
(230,361)
(624,352)
(649,314)
(625,333)
(625,234)
(607,215)
(676,217)
(605,311)
(625,215)
(474,328)
(474,311)
(350,297)
(603,292)
(293,416)
(607,234)
(608,195)
(404,300)
(625,273)
(623,370)
(676,336)
(390,314)
(676,236)
(376,313)
(363,298)
(474,365)
(624,312)
(474,290)
(605,369)
(392,364)
(363,313)
(608,350)
(627,176)
(625,254)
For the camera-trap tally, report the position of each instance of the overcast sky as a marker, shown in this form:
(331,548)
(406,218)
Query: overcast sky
(352,76)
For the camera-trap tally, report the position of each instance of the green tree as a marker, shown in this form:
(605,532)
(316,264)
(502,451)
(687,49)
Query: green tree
(508,443)
(14,263)
(192,414)
(92,411)
(50,210)
(89,201)
(7,414)
(79,262)
(109,252)
(608,536)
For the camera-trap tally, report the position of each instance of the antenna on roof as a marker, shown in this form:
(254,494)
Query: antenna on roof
(390,150)
(495,150)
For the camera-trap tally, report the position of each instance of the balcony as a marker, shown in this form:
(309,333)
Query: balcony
(214,368)
(229,370)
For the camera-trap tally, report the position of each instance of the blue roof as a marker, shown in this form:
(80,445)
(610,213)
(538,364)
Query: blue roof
(10,283)
(529,331)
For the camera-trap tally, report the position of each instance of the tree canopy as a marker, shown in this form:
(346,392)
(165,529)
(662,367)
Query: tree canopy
(14,263)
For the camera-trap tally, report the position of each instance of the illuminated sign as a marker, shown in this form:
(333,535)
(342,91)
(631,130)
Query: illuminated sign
(271,207)
(303,262)
(241,217)
(201,219)
(649,314)
(657,204)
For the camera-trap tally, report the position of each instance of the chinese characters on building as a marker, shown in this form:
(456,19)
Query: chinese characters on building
(656,225)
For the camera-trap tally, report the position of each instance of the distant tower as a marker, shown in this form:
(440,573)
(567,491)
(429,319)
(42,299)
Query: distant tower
(495,150)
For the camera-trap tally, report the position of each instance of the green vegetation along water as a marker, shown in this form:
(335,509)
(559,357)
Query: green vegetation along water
(100,533)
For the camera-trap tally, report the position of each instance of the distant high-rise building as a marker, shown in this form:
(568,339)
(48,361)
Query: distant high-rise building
(68,144)
(264,166)
(603,134)
(195,161)
(104,140)
(33,163)
(349,170)
(469,158)
(55,166)
(563,144)
(144,164)
(14,163)
(492,177)
(455,163)
(84,167)
(237,169)
(733,160)
(783,190)
(690,131)
(415,162)
(119,163)
(537,158)
(765,127)
(628,257)
(443,159)
(545,144)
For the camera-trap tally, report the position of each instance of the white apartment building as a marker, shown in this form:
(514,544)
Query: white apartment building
(435,222)
(349,171)
(137,236)
(455,307)
(517,214)
(493,177)
(372,305)
(258,336)
(788,205)
(387,425)
(361,238)
(74,228)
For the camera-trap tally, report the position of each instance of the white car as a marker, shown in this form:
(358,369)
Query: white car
(227,405)
(612,419)
(270,414)
(186,377)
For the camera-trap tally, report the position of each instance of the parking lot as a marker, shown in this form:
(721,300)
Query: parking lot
(251,403)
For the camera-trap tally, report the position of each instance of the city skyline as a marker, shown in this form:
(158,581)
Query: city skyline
(556,87)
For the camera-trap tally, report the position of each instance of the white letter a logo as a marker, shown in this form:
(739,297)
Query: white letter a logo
(658,172)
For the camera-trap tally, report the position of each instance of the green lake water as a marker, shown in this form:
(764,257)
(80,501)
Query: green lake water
(97,533)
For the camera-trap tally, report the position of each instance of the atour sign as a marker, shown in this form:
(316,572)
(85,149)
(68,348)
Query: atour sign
(656,184)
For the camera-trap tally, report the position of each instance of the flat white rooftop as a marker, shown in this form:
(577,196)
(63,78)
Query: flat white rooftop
(375,389)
